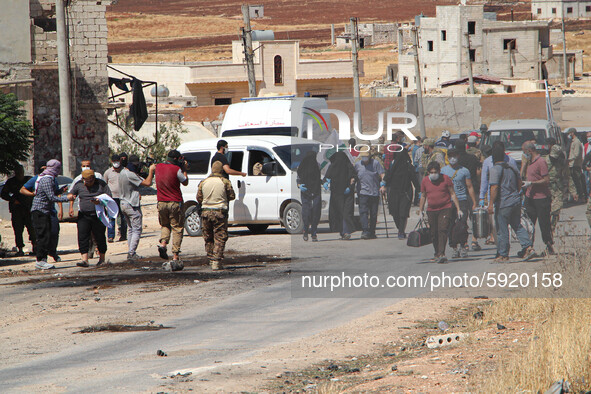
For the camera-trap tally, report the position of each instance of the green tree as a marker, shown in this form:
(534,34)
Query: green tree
(15,133)
(168,138)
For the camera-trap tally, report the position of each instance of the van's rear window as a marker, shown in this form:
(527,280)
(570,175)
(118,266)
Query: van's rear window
(198,162)
(287,131)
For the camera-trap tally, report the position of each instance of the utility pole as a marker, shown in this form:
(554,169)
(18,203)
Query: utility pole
(470,77)
(510,50)
(565,60)
(63,61)
(415,43)
(356,88)
(248,52)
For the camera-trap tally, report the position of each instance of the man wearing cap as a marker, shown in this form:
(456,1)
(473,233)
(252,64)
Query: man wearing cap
(43,204)
(169,178)
(88,223)
(371,183)
(575,163)
(444,142)
(111,176)
(214,194)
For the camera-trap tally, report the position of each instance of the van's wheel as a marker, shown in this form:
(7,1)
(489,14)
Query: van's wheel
(193,221)
(292,218)
(257,228)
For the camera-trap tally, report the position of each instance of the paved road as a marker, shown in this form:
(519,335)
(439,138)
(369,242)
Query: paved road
(237,327)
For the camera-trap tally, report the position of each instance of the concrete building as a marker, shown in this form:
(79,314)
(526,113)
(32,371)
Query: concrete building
(496,48)
(572,9)
(28,68)
(369,34)
(279,70)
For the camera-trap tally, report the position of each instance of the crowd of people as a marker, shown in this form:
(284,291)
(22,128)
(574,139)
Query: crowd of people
(449,180)
(33,202)
(441,177)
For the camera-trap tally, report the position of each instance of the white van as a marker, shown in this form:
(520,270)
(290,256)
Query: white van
(513,133)
(261,200)
(286,115)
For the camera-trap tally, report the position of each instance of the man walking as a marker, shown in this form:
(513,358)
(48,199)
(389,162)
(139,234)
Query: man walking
(505,204)
(29,190)
(538,199)
(43,203)
(214,194)
(220,155)
(84,165)
(111,176)
(19,206)
(89,224)
(129,183)
(169,178)
(370,173)
(575,163)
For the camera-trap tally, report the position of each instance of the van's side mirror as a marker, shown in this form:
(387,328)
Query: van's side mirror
(270,168)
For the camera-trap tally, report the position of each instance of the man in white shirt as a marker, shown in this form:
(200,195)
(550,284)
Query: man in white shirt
(111,176)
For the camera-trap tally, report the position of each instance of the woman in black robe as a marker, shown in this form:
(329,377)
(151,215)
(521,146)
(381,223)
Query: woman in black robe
(400,179)
(309,180)
(341,176)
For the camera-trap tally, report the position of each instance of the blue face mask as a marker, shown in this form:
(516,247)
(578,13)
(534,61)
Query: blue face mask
(365,159)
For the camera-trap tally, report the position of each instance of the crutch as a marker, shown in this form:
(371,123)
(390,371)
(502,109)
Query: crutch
(384,210)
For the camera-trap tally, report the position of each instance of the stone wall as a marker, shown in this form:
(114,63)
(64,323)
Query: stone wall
(87,29)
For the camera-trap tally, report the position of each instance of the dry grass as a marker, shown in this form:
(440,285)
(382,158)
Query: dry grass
(560,344)
(124,27)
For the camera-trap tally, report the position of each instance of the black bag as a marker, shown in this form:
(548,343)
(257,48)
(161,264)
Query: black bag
(459,233)
(421,235)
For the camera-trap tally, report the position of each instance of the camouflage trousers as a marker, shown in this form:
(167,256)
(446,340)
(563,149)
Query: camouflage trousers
(555,208)
(589,211)
(214,225)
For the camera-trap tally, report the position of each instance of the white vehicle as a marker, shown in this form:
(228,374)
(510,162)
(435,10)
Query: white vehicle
(288,116)
(513,133)
(261,200)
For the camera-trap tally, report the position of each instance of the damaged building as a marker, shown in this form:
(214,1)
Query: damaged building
(464,36)
(29,68)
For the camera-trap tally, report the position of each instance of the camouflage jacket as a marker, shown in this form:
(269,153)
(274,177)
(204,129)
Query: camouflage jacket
(436,155)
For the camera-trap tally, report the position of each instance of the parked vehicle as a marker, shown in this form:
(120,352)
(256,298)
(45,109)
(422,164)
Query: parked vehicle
(287,116)
(513,133)
(261,200)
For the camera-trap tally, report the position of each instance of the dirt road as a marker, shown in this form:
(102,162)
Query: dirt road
(229,331)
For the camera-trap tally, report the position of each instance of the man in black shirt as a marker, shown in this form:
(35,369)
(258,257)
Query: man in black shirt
(220,155)
(20,208)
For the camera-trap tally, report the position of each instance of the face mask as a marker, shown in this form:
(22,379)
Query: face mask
(365,159)
(225,151)
(85,168)
(453,161)
(116,164)
(527,156)
(434,177)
